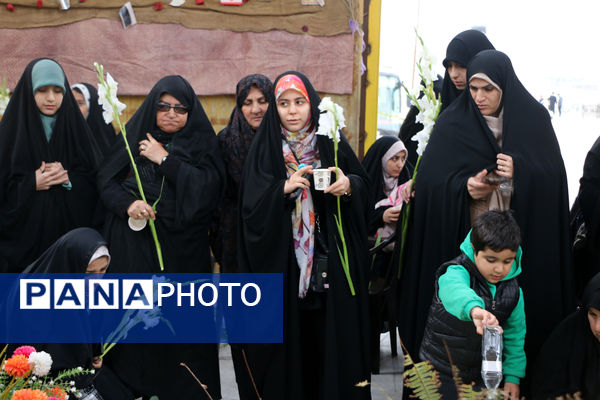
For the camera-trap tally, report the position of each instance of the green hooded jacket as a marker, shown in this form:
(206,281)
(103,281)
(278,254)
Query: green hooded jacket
(458,298)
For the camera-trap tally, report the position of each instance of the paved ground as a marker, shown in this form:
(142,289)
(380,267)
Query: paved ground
(388,381)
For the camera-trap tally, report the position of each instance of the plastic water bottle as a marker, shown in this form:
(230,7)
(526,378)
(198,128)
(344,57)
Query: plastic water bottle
(491,357)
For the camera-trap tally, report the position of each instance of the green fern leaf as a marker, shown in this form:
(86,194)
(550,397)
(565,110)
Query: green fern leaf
(421,378)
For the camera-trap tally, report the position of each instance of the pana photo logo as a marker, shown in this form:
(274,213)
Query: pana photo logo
(136,294)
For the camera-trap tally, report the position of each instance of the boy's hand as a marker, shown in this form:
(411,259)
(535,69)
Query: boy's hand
(511,391)
(482,317)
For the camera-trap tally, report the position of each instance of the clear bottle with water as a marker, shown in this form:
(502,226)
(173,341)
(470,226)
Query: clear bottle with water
(491,356)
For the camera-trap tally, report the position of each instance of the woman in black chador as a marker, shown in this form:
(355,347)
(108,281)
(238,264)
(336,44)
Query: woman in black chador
(459,52)
(253,95)
(177,156)
(86,96)
(325,349)
(479,140)
(587,255)
(386,165)
(48,161)
(82,250)
(569,361)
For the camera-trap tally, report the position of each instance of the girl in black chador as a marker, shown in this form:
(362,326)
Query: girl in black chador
(48,161)
(284,223)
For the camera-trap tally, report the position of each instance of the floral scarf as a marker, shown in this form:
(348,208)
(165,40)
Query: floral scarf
(300,148)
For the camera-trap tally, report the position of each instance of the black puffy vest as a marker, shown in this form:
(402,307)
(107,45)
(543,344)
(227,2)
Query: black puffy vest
(461,337)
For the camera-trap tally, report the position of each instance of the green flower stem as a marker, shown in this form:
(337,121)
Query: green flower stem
(134,166)
(405,217)
(338,220)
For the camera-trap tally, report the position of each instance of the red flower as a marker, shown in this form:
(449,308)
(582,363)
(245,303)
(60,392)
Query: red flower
(25,350)
(157,6)
(39,4)
(57,392)
(10,7)
(199,2)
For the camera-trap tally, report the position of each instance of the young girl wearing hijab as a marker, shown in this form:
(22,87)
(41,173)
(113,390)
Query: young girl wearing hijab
(86,96)
(386,165)
(325,334)
(253,95)
(48,160)
(499,129)
(177,156)
(461,49)
(569,361)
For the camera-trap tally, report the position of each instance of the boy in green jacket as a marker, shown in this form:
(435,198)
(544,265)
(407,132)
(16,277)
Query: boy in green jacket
(478,288)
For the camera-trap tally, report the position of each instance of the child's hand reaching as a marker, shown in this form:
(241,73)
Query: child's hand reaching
(482,317)
(511,391)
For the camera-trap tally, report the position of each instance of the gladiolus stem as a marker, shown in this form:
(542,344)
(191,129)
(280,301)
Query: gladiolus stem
(100,70)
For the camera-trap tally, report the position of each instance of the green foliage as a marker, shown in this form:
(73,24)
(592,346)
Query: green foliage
(421,378)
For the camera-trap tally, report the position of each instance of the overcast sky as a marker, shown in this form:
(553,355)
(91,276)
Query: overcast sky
(553,44)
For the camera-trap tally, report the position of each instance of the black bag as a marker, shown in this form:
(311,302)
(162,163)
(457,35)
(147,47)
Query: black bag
(318,278)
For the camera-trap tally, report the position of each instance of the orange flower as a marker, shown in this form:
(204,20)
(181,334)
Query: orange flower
(57,392)
(29,394)
(17,366)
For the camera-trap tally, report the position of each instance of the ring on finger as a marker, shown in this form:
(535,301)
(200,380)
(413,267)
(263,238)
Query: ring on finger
(142,147)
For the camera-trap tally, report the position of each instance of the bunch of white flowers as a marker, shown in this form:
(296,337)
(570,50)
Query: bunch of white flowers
(107,97)
(331,119)
(41,362)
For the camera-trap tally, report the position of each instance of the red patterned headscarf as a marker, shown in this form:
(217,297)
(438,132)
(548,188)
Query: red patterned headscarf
(291,82)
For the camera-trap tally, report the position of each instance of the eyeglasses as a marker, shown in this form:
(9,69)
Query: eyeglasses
(166,107)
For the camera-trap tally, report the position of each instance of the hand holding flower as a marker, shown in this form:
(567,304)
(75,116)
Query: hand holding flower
(141,210)
(152,150)
(406,192)
(341,186)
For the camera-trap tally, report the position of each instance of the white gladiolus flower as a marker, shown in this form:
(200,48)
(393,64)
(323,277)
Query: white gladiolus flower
(331,119)
(107,96)
(41,362)
(3,103)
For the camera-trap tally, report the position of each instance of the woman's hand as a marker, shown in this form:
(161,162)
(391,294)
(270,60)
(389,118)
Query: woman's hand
(50,174)
(477,186)
(391,215)
(297,180)
(505,165)
(341,186)
(141,210)
(152,150)
(405,192)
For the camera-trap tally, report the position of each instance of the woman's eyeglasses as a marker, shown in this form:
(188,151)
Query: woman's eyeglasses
(166,107)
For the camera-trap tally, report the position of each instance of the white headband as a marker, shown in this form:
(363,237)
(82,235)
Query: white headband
(100,252)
